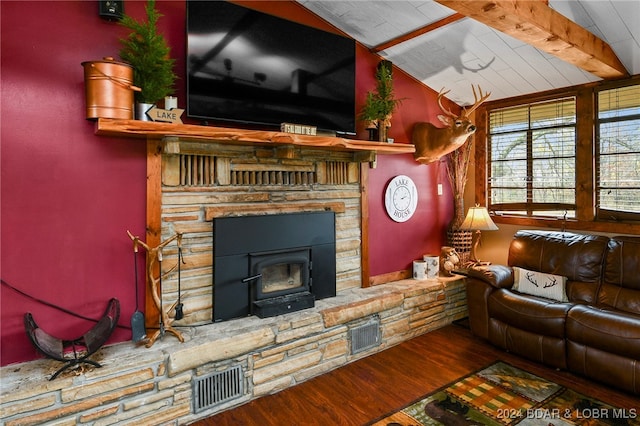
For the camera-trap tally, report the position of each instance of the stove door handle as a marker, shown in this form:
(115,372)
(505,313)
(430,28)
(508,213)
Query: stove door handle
(253,278)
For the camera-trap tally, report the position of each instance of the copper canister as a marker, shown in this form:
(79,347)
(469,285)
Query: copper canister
(109,89)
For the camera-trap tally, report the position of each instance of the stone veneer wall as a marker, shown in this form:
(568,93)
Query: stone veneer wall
(154,386)
(201,181)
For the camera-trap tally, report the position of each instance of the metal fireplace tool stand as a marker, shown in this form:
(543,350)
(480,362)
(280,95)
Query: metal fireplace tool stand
(154,256)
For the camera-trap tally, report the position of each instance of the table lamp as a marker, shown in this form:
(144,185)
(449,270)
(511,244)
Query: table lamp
(477,219)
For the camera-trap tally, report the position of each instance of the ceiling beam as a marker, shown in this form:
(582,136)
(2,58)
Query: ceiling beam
(535,23)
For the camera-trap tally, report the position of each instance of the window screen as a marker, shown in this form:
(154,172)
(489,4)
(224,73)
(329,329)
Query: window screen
(618,159)
(532,156)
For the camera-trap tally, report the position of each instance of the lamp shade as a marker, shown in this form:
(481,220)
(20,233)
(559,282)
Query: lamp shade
(478,219)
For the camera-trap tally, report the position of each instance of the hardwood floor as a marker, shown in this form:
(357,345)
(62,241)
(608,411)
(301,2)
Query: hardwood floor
(374,386)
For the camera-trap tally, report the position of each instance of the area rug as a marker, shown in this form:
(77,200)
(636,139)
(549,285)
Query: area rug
(502,394)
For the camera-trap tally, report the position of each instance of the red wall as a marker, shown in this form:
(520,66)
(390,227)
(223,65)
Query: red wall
(68,196)
(393,246)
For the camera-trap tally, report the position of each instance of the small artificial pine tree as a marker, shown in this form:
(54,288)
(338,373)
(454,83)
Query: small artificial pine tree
(384,89)
(380,104)
(148,53)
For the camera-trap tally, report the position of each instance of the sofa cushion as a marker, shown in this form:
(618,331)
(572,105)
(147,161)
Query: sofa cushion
(540,316)
(578,257)
(610,331)
(540,284)
(621,286)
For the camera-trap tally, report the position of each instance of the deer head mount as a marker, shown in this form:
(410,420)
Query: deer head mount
(433,142)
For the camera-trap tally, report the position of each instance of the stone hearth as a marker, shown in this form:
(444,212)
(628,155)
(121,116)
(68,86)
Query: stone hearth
(151,386)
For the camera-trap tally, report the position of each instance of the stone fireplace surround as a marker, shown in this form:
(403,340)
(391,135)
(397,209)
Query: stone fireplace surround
(155,385)
(205,182)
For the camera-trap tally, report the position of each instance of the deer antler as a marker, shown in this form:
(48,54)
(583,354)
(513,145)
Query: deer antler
(445,110)
(552,281)
(478,100)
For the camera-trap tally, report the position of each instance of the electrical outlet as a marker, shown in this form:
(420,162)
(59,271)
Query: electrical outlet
(439,189)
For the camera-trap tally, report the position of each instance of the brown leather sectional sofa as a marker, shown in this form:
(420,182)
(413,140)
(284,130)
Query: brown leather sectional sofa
(595,332)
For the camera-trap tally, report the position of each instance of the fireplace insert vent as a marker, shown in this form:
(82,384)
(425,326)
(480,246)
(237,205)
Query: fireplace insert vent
(365,336)
(217,388)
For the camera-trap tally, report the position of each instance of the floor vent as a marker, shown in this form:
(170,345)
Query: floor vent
(366,336)
(217,388)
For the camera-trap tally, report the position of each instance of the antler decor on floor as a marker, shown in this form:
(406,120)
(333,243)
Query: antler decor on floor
(154,255)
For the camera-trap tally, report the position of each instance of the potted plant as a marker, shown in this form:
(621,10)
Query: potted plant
(148,53)
(380,104)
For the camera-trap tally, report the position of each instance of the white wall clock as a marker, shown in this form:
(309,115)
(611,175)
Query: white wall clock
(401,198)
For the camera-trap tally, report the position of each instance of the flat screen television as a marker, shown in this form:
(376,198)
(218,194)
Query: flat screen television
(245,66)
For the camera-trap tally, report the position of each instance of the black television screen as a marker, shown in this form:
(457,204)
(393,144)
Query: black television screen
(246,66)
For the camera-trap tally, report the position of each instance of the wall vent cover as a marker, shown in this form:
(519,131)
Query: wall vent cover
(217,388)
(365,336)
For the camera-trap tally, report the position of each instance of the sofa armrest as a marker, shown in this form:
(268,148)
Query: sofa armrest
(481,282)
(499,276)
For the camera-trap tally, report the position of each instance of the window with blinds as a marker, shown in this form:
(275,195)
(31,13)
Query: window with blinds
(618,153)
(532,159)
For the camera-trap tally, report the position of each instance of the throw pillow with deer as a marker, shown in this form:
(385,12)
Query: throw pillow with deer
(540,284)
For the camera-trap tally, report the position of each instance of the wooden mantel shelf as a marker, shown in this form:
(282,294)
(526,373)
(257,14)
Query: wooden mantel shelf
(155,130)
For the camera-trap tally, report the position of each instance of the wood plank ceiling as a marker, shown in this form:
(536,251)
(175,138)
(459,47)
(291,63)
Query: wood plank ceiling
(509,47)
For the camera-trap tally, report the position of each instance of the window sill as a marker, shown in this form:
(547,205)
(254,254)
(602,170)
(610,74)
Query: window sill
(632,228)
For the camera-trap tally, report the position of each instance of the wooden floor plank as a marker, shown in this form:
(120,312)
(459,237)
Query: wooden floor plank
(378,384)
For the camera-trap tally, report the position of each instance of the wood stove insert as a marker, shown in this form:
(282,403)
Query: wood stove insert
(272,264)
